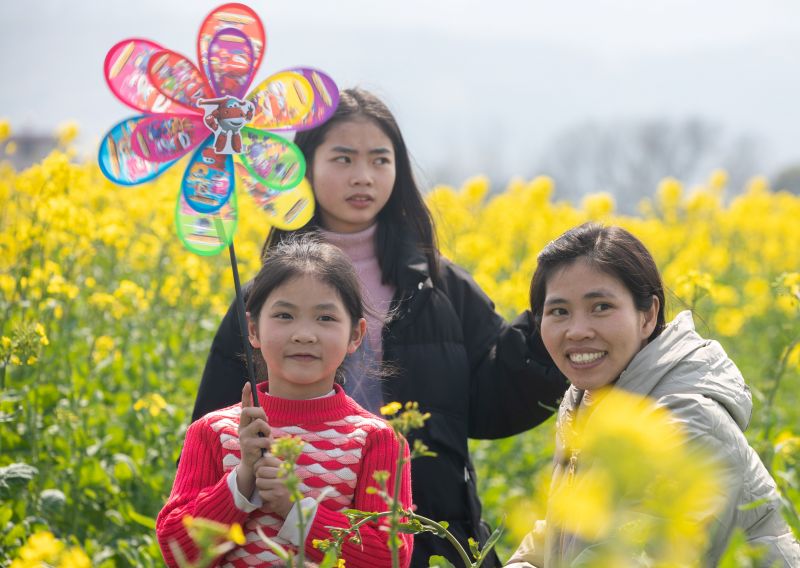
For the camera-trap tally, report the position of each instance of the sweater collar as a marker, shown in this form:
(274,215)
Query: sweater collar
(358,246)
(283,410)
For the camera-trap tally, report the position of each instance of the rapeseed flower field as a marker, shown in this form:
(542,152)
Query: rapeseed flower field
(105,323)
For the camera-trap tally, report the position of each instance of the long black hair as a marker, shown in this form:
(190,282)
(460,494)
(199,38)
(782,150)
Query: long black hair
(612,250)
(405,220)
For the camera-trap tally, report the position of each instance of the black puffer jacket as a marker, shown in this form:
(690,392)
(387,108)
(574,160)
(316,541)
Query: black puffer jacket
(478,376)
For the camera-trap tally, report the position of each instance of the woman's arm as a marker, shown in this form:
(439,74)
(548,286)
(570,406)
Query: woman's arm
(514,385)
(380,454)
(200,490)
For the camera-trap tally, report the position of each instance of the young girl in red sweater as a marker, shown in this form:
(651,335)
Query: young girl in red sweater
(304,315)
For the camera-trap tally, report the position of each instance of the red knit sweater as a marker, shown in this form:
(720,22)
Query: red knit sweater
(344,445)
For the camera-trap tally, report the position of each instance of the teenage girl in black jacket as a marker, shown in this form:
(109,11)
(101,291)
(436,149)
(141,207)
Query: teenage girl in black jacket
(448,349)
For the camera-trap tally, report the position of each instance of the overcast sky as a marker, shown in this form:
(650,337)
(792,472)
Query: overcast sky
(476,85)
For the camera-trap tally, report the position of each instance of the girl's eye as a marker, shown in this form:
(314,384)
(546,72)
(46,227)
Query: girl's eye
(602,307)
(327,318)
(342,159)
(282,315)
(382,161)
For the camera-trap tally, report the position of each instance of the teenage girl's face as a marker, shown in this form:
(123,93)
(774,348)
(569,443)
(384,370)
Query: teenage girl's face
(353,175)
(590,325)
(304,333)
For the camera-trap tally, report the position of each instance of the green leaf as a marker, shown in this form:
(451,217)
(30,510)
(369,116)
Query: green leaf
(330,559)
(437,561)
(143,520)
(491,542)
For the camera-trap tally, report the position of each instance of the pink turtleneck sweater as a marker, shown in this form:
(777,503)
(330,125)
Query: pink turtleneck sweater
(360,247)
(362,384)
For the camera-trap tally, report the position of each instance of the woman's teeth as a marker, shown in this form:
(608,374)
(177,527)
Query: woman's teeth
(586,357)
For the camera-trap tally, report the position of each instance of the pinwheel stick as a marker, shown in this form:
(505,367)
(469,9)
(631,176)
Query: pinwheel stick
(248,349)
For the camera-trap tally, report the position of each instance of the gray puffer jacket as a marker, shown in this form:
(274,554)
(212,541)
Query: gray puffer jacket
(705,392)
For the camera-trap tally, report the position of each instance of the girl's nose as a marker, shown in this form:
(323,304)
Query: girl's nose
(362,176)
(303,336)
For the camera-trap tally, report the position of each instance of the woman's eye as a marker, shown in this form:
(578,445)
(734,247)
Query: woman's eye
(327,318)
(382,161)
(558,312)
(602,307)
(342,159)
(282,315)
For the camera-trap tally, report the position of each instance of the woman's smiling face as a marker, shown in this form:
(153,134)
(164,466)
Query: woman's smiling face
(590,325)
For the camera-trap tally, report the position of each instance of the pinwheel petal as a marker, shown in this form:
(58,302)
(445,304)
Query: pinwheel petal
(120,163)
(230,62)
(208,181)
(231,16)
(287,210)
(282,101)
(178,79)
(125,69)
(162,138)
(206,234)
(272,160)
(326,97)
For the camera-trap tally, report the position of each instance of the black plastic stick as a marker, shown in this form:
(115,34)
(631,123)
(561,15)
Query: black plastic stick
(248,349)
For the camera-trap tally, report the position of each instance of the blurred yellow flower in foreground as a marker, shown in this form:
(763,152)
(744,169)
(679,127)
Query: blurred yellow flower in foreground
(391,408)
(632,482)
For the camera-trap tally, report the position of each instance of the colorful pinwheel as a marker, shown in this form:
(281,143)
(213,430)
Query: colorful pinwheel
(189,108)
(204,109)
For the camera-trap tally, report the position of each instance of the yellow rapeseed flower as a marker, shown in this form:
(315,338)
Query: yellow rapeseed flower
(584,507)
(41,547)
(718,179)
(391,409)
(5,342)
(729,321)
(75,557)
(669,193)
(11,148)
(154,403)
(236,534)
(598,205)
(5,129)
(67,132)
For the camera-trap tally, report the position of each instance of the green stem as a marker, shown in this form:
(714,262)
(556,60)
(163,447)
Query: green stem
(440,530)
(394,519)
(450,538)
(301,524)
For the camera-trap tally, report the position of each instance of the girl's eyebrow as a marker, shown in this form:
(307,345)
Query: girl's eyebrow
(348,150)
(321,307)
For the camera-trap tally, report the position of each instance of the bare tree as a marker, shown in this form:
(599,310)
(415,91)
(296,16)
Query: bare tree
(628,159)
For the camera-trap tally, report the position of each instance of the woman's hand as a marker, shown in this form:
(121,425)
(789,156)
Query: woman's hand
(271,488)
(255,438)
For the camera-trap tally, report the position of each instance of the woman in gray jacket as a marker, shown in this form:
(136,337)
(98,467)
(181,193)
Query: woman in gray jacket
(599,301)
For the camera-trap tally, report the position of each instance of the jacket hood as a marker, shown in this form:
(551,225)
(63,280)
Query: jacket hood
(679,361)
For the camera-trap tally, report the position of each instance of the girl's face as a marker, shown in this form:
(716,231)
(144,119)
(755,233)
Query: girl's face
(304,333)
(353,175)
(590,325)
